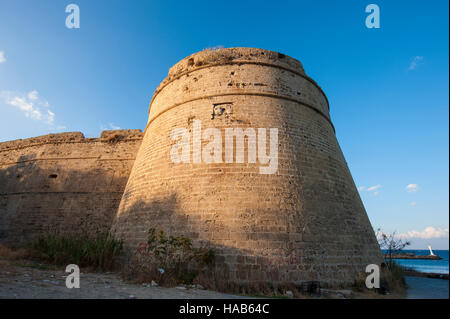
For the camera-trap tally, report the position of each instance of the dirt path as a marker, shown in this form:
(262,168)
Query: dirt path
(24,279)
(19,280)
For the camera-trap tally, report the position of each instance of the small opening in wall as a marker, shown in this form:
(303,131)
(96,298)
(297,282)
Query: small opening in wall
(191,62)
(53,176)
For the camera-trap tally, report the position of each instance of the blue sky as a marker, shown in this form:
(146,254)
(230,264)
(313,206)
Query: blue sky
(388,87)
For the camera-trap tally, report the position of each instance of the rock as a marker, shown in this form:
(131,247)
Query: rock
(345,292)
(382,290)
(342,292)
(181,288)
(154,284)
(290,294)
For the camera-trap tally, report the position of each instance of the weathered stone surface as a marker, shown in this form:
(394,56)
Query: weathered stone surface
(63,183)
(306,222)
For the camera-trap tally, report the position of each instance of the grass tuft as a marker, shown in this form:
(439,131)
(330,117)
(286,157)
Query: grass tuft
(393,278)
(99,252)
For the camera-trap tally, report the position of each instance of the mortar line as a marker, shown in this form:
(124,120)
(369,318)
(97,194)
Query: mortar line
(69,158)
(61,142)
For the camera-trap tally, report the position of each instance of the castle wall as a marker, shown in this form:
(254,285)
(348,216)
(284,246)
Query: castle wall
(305,222)
(63,183)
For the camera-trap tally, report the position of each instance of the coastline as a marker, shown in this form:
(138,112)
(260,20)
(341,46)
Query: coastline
(422,264)
(433,275)
(408,256)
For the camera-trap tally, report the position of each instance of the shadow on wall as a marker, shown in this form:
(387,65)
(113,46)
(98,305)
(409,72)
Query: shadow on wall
(246,253)
(234,263)
(38,197)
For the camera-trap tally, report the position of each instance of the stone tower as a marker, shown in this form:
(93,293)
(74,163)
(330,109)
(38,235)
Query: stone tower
(304,221)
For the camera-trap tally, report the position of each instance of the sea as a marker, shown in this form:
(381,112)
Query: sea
(424,265)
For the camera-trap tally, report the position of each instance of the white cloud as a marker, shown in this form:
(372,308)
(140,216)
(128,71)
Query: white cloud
(31,105)
(415,62)
(2,57)
(413,204)
(412,188)
(374,189)
(50,117)
(215,47)
(110,126)
(427,233)
(33,95)
(26,106)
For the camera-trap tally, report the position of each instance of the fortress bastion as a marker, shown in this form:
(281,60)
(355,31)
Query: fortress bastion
(301,220)
(305,221)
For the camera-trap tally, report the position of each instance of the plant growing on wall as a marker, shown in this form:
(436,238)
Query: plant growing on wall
(173,257)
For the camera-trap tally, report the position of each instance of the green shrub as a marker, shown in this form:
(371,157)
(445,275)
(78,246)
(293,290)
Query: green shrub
(98,252)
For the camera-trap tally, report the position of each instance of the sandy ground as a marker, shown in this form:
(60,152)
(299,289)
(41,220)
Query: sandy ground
(29,280)
(426,288)
(19,280)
